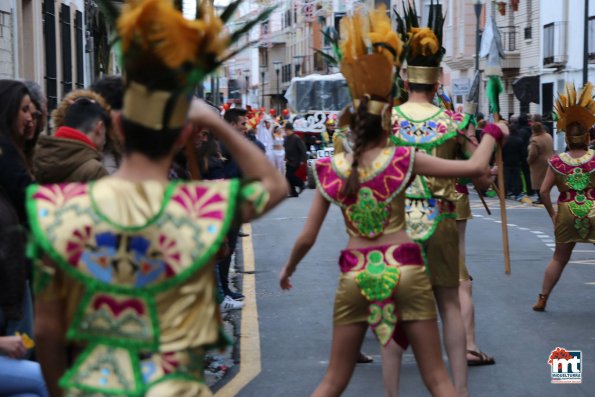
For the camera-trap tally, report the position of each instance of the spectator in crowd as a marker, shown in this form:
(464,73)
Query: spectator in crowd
(236,117)
(541,149)
(18,375)
(295,155)
(524,132)
(210,160)
(111,88)
(73,153)
(251,135)
(537,118)
(279,149)
(39,115)
(514,152)
(15,118)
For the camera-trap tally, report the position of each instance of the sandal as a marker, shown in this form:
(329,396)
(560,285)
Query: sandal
(483,359)
(364,359)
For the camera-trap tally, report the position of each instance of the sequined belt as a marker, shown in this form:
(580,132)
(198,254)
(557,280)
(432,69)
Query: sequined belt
(573,195)
(378,275)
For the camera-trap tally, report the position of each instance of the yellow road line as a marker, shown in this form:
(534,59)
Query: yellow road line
(250,365)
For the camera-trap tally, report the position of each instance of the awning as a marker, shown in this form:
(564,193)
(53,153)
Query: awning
(526,89)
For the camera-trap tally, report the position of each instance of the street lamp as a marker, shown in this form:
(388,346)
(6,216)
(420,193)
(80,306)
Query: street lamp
(277,66)
(246,75)
(478,4)
(263,69)
(297,62)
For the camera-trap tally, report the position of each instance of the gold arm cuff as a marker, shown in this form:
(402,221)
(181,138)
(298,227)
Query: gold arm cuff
(374,107)
(423,74)
(147,108)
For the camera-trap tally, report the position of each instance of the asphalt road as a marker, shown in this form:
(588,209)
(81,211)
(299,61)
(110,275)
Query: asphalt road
(295,327)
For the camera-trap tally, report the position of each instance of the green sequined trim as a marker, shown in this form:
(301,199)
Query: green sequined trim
(377,171)
(368,215)
(378,281)
(255,194)
(169,191)
(438,113)
(46,246)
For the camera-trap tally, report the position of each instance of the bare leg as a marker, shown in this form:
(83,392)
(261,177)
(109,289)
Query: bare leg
(554,269)
(454,335)
(347,340)
(425,342)
(465,294)
(392,355)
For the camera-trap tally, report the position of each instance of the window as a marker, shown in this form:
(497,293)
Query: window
(80,72)
(49,37)
(528,33)
(592,38)
(554,44)
(426,13)
(66,45)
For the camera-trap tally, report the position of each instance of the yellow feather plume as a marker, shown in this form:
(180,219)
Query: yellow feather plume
(157,25)
(423,42)
(571,92)
(586,95)
(381,32)
(352,36)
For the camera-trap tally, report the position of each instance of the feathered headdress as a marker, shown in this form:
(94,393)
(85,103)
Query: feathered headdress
(369,54)
(165,55)
(570,108)
(423,46)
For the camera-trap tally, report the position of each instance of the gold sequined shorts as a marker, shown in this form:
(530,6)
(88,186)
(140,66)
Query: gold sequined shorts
(463,207)
(442,254)
(413,295)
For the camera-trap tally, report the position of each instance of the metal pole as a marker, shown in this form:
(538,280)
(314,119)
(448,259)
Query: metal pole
(478,7)
(262,94)
(586,45)
(278,94)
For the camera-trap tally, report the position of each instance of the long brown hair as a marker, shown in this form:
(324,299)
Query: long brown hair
(366,131)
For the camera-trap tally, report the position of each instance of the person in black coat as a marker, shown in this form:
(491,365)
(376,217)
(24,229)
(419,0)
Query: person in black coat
(514,153)
(524,132)
(295,155)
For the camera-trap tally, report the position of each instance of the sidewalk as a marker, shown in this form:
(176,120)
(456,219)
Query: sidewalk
(219,363)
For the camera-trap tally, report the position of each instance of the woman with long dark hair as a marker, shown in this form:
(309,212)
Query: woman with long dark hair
(383,279)
(17,375)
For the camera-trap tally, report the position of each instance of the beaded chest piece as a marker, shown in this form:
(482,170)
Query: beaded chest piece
(368,213)
(124,267)
(577,177)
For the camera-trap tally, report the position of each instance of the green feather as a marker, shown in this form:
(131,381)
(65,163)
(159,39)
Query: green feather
(230,10)
(110,11)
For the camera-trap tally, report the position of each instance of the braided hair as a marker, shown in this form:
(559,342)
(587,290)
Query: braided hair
(366,132)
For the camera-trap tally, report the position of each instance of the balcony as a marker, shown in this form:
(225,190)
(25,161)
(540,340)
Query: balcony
(555,47)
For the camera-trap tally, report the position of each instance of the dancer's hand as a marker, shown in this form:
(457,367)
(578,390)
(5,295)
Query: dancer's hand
(284,281)
(13,346)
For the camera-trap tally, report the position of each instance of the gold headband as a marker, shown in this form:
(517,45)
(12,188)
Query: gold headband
(376,108)
(147,108)
(423,74)
(577,138)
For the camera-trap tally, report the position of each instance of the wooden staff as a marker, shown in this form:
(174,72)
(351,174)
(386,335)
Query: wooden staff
(503,217)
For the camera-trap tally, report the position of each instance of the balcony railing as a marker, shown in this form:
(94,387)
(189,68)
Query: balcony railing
(555,47)
(509,38)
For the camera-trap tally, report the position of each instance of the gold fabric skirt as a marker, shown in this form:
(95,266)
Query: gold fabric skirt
(442,254)
(413,296)
(463,207)
(566,231)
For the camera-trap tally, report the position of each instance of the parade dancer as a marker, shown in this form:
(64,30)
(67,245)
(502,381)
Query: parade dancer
(124,270)
(383,279)
(430,208)
(572,172)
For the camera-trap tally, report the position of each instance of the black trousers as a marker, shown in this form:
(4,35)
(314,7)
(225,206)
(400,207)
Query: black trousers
(512,178)
(225,263)
(293,180)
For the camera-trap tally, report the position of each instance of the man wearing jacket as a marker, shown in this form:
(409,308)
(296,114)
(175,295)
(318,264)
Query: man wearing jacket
(73,153)
(295,154)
